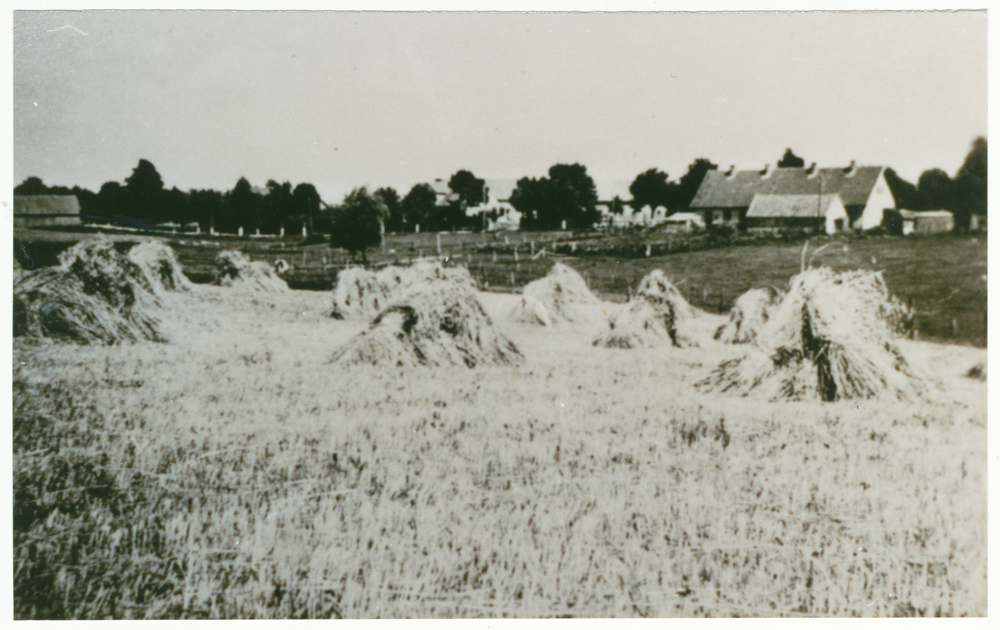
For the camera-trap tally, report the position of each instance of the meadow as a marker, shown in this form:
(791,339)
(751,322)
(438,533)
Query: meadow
(235,472)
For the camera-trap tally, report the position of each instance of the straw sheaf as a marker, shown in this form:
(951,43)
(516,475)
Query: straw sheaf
(94,295)
(749,314)
(159,264)
(562,292)
(361,294)
(234,269)
(434,324)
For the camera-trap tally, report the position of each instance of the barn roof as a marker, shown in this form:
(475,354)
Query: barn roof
(790,206)
(927,214)
(719,190)
(39,205)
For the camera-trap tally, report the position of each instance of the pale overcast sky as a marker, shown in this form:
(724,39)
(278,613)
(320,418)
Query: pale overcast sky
(348,99)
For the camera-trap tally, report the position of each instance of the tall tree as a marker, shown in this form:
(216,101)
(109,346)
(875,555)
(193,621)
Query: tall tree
(242,208)
(278,207)
(207,207)
(790,160)
(394,206)
(144,189)
(651,188)
(689,183)
(567,195)
(970,185)
(418,207)
(903,192)
(469,188)
(306,201)
(357,223)
(111,200)
(31,186)
(936,190)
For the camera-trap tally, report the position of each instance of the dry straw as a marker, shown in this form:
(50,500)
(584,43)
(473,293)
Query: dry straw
(94,295)
(528,310)
(234,269)
(437,323)
(159,263)
(564,295)
(748,316)
(361,294)
(657,315)
(830,338)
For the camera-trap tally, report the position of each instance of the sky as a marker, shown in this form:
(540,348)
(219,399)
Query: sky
(342,100)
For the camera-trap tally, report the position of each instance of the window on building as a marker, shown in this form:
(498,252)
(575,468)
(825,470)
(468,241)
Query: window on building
(727,215)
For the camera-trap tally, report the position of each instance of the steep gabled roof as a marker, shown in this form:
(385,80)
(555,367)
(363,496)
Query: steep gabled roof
(719,190)
(790,206)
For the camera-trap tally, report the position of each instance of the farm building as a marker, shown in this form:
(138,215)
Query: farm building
(684,222)
(820,213)
(46,210)
(725,196)
(919,222)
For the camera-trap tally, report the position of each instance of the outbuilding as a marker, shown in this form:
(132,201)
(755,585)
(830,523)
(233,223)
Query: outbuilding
(819,213)
(32,211)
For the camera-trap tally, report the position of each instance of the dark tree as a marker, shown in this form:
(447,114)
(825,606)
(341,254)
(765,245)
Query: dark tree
(242,208)
(418,207)
(970,186)
(903,192)
(790,160)
(144,190)
(469,188)
(936,190)
(651,188)
(31,186)
(306,201)
(176,206)
(617,205)
(394,205)
(566,195)
(689,183)
(111,200)
(357,223)
(278,208)
(207,207)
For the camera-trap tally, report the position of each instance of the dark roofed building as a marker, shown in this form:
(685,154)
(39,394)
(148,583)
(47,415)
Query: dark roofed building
(862,190)
(46,210)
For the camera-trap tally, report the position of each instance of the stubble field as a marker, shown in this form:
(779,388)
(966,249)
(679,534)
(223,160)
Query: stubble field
(235,472)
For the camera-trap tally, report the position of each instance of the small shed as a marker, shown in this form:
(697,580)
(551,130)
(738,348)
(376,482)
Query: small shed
(46,210)
(824,213)
(926,221)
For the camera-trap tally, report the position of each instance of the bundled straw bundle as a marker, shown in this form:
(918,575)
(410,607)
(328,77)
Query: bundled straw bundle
(433,324)
(657,315)
(749,314)
(361,294)
(159,264)
(564,294)
(234,269)
(830,338)
(94,295)
(528,310)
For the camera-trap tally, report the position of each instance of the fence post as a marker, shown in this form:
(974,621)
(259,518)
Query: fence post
(532,248)
(439,243)
(954,327)
(515,253)
(494,255)
(512,285)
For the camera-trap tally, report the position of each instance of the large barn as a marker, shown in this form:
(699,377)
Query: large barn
(726,196)
(31,211)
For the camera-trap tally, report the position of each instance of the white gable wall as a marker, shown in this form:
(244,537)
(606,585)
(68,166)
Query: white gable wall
(880,199)
(835,211)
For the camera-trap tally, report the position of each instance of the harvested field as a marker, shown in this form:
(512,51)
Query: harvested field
(582,482)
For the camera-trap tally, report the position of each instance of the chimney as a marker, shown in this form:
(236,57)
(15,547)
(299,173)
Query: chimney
(763,173)
(731,171)
(850,170)
(812,171)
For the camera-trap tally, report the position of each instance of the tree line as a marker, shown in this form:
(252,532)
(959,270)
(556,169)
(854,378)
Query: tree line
(564,199)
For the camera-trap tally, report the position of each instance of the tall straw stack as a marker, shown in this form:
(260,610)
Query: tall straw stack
(94,295)
(564,294)
(749,314)
(234,269)
(159,264)
(360,294)
(830,338)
